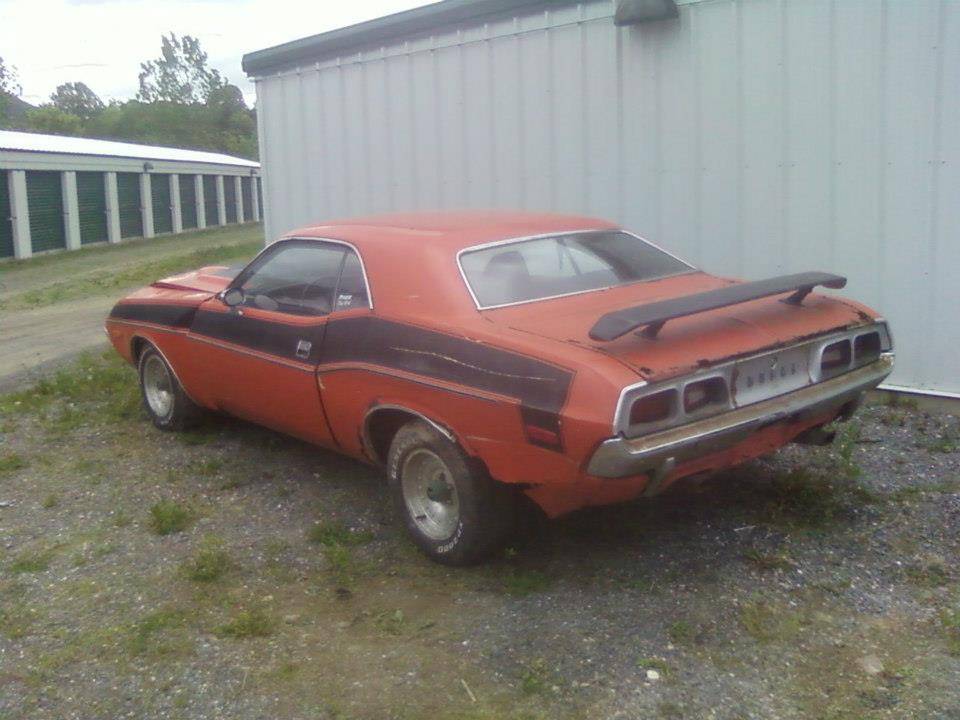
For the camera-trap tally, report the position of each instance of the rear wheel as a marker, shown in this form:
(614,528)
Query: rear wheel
(163,398)
(454,512)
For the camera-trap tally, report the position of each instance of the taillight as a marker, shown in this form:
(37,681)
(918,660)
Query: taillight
(835,356)
(653,408)
(867,347)
(704,393)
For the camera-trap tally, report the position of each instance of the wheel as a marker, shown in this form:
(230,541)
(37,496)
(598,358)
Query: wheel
(163,397)
(455,513)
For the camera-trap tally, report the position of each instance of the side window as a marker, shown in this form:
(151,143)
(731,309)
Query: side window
(299,278)
(352,292)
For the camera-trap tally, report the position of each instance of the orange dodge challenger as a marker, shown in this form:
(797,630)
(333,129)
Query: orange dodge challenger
(477,356)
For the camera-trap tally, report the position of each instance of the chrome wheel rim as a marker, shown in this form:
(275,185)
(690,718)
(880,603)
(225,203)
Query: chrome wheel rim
(158,386)
(430,494)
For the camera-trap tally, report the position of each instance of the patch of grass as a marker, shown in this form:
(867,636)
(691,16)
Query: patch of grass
(16,620)
(330,534)
(30,561)
(10,463)
(848,434)
(914,491)
(209,467)
(520,583)
(391,623)
(947,442)
(50,501)
(804,499)
(533,679)
(654,663)
(248,624)
(950,619)
(768,561)
(681,632)
(111,278)
(340,562)
(210,563)
(142,635)
(766,623)
(167,517)
(928,573)
(98,387)
(901,400)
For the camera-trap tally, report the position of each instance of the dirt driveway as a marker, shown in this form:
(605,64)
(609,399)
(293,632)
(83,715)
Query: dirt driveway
(52,307)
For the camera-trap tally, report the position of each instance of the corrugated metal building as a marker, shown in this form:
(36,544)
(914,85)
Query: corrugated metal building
(752,137)
(61,193)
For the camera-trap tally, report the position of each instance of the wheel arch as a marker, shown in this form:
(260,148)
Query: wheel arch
(382,422)
(139,345)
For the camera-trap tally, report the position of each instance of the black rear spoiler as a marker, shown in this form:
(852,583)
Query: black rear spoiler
(651,317)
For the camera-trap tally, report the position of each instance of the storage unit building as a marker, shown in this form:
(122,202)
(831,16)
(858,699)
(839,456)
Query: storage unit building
(752,137)
(61,193)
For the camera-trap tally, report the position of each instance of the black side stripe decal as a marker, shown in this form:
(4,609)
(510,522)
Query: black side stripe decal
(266,337)
(541,387)
(176,316)
(437,355)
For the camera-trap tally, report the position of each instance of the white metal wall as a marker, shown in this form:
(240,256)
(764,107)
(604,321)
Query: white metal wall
(753,137)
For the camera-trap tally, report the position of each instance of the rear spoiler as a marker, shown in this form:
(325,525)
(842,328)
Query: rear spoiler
(651,317)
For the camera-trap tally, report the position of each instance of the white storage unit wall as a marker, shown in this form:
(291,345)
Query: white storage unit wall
(752,137)
(63,192)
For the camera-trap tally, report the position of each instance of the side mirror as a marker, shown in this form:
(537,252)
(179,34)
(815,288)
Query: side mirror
(232,297)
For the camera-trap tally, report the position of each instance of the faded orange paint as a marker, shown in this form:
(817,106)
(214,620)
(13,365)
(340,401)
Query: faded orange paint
(414,279)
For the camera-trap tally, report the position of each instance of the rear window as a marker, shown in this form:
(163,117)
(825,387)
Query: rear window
(548,267)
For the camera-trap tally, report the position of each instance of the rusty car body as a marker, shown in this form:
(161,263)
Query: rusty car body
(481,355)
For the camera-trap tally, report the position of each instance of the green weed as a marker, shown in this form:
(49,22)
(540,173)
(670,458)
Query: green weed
(31,561)
(142,635)
(248,624)
(519,582)
(210,563)
(168,517)
(766,623)
(10,463)
(330,534)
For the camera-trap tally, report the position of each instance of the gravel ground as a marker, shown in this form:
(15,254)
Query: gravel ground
(818,583)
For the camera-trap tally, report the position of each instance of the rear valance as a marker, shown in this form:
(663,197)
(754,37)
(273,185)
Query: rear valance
(652,317)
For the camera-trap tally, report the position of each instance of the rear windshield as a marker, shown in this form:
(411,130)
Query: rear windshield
(562,265)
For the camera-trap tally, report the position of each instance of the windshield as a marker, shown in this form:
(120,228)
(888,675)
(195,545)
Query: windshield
(562,265)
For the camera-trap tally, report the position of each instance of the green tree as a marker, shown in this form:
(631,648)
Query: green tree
(9,79)
(9,89)
(52,120)
(180,74)
(77,99)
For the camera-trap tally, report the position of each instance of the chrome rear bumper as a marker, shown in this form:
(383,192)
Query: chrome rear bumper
(620,456)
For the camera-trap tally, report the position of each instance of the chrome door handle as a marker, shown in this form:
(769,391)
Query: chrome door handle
(303,349)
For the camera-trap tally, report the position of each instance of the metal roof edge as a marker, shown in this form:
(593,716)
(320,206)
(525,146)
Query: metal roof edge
(20,141)
(416,21)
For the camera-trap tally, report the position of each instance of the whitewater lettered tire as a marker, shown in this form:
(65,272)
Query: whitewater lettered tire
(455,513)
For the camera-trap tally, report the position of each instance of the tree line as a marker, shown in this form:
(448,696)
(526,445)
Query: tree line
(181,102)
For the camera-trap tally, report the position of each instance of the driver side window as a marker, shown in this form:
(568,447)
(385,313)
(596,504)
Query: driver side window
(299,278)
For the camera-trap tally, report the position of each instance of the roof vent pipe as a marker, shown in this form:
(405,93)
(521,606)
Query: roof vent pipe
(631,12)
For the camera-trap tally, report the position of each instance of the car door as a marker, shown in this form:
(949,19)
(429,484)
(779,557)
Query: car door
(260,353)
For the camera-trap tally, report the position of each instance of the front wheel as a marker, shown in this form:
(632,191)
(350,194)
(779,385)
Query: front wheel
(163,398)
(454,512)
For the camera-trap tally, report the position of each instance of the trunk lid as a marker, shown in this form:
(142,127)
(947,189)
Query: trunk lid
(684,344)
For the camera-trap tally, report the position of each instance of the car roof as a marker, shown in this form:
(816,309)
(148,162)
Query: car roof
(452,231)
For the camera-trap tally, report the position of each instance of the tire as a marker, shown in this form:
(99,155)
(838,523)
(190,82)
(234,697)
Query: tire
(454,512)
(163,397)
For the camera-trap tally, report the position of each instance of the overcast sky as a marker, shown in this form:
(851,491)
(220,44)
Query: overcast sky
(103,42)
